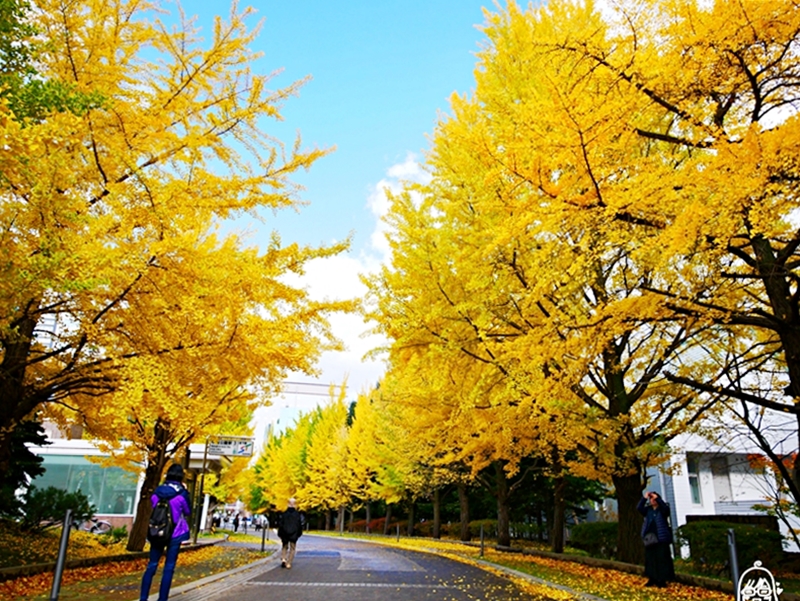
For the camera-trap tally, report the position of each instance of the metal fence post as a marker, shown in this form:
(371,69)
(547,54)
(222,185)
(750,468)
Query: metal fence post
(263,536)
(482,539)
(62,556)
(734,561)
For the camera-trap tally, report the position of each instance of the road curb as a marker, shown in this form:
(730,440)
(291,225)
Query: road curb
(547,583)
(209,586)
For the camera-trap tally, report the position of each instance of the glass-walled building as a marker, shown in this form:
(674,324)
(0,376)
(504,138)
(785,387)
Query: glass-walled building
(111,490)
(68,466)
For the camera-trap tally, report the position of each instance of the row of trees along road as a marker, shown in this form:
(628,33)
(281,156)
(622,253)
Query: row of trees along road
(127,139)
(380,451)
(606,251)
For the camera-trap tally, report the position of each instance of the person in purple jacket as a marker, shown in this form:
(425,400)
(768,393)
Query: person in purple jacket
(179,503)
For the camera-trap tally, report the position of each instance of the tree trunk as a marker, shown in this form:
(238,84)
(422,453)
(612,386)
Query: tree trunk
(328,519)
(138,535)
(156,462)
(629,541)
(387,520)
(559,510)
(340,519)
(410,527)
(368,507)
(17,401)
(463,506)
(503,510)
(540,525)
(437,514)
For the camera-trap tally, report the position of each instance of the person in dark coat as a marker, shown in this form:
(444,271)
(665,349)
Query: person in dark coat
(180,504)
(290,528)
(236,523)
(657,538)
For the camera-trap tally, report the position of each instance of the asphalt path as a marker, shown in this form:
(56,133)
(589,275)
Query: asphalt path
(332,569)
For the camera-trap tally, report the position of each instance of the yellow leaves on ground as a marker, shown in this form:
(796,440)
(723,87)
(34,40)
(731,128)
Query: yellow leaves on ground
(606,583)
(40,583)
(188,560)
(21,548)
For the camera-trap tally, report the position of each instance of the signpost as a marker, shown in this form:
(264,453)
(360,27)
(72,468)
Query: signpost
(228,446)
(231,446)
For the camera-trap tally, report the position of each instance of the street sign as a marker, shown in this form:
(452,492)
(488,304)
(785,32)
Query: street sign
(232,446)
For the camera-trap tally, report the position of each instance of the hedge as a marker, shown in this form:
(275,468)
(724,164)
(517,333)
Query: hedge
(708,544)
(598,539)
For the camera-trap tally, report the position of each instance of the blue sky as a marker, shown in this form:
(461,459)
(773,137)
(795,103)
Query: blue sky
(382,73)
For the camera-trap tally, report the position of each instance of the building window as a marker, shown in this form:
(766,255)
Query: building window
(693,468)
(111,490)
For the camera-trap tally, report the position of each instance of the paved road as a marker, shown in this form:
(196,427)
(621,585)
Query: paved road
(331,569)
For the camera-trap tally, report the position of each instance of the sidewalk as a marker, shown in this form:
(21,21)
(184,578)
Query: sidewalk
(210,586)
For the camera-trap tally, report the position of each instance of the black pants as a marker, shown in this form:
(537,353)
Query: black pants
(658,566)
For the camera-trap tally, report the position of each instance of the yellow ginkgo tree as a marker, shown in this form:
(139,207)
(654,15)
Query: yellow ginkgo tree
(722,191)
(280,470)
(325,473)
(116,298)
(531,251)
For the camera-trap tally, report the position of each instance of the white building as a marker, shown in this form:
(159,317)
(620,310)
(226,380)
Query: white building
(715,479)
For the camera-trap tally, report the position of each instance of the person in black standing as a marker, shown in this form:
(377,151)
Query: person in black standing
(657,538)
(290,528)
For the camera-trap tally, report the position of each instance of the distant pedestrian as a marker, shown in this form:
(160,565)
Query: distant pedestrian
(236,523)
(657,538)
(179,505)
(290,528)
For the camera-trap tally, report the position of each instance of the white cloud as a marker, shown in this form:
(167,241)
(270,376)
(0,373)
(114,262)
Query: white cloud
(336,278)
(410,171)
(332,278)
